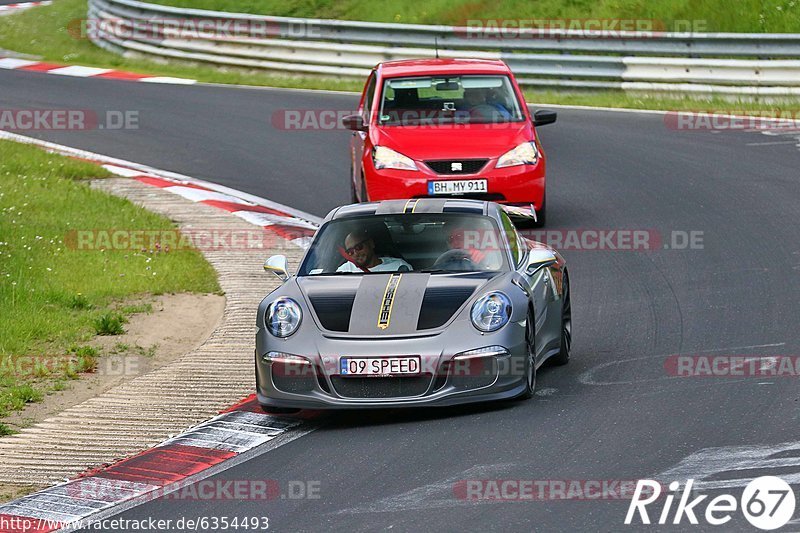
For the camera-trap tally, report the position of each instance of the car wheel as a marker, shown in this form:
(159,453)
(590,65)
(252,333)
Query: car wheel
(566,326)
(530,359)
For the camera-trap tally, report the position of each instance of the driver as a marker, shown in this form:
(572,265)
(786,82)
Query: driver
(469,248)
(359,250)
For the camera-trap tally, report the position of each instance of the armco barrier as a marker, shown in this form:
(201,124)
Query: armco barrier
(765,64)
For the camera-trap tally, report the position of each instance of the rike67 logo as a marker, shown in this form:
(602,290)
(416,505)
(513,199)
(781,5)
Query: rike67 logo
(767,502)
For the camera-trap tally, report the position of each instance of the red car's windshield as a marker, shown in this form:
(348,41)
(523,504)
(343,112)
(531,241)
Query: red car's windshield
(450,99)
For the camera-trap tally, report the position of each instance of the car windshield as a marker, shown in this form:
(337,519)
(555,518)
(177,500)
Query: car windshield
(452,99)
(437,243)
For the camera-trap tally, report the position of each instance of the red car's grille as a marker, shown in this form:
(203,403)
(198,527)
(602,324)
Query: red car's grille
(457,166)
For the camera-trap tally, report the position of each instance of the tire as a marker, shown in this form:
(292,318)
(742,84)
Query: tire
(566,327)
(530,360)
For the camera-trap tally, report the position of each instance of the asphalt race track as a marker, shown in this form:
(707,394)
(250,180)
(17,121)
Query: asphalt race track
(613,413)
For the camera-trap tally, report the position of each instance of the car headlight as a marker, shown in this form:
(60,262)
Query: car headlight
(524,154)
(283,317)
(384,157)
(491,312)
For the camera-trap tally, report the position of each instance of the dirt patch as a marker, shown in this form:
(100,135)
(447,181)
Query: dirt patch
(168,327)
(10,492)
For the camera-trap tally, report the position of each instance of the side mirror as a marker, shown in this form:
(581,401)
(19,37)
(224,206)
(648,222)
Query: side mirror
(543,117)
(354,122)
(539,258)
(278,265)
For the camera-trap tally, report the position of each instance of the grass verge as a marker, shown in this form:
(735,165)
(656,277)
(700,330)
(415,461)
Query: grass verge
(750,16)
(10,492)
(53,297)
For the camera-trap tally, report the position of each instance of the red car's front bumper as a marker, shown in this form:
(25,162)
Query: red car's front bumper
(521,184)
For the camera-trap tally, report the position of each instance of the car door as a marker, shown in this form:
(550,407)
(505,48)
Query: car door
(359,139)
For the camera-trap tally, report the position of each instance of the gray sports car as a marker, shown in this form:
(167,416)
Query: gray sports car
(410,303)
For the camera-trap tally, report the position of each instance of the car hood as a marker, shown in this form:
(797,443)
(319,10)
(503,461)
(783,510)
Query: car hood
(471,141)
(389,304)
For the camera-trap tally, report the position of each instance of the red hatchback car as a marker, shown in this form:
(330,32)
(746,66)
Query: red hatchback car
(447,127)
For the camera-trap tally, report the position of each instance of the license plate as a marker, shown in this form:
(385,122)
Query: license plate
(379,366)
(457,187)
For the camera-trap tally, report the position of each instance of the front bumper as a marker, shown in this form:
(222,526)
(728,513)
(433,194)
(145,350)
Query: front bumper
(443,381)
(521,184)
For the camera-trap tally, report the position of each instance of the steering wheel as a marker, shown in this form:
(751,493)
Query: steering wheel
(455,260)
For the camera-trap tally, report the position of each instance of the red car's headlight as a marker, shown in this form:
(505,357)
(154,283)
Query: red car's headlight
(384,157)
(524,154)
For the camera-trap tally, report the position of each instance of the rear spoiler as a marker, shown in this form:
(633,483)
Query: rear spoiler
(520,215)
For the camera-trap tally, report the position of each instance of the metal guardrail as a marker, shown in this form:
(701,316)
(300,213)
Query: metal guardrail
(539,58)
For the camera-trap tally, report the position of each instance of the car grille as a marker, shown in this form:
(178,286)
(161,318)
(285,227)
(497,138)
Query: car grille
(468,166)
(377,387)
(297,380)
(474,374)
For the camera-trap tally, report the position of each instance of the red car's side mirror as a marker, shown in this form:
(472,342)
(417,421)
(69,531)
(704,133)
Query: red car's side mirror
(354,122)
(544,116)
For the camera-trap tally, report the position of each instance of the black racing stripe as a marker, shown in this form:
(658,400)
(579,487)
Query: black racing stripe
(440,303)
(333,309)
(463,206)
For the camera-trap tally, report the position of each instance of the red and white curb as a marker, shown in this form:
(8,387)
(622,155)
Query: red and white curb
(78,71)
(290,224)
(170,466)
(16,8)
(200,451)
(294,230)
